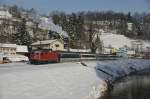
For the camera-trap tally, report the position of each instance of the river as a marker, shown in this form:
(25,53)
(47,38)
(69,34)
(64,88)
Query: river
(131,87)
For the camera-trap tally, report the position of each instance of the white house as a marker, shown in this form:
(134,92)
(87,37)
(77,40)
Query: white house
(8,49)
(130,26)
(12,49)
(4,13)
(13,52)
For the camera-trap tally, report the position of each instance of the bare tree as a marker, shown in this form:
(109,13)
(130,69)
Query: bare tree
(94,40)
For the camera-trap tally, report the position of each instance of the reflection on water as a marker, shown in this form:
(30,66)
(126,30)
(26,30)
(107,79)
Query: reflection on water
(135,87)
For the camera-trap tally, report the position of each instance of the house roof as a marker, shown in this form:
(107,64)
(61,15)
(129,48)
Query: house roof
(8,45)
(19,48)
(44,42)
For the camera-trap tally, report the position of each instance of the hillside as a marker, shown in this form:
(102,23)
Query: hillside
(80,28)
(120,41)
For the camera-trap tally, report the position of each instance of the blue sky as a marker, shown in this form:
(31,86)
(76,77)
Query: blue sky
(46,6)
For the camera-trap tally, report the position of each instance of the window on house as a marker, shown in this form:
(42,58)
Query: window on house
(57,45)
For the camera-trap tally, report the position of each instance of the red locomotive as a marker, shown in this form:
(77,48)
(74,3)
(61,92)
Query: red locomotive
(43,57)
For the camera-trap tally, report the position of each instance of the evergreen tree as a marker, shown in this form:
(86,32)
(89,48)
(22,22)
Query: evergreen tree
(98,44)
(22,37)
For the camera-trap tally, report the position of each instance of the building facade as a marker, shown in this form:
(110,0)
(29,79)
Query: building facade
(8,49)
(12,49)
(54,45)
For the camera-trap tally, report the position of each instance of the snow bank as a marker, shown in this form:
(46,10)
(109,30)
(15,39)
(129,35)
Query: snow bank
(112,70)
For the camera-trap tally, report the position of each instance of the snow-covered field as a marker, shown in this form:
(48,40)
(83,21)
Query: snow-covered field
(62,80)
(52,81)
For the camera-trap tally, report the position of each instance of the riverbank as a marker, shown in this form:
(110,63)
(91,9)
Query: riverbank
(113,71)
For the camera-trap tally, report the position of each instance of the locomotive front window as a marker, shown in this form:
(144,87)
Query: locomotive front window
(45,53)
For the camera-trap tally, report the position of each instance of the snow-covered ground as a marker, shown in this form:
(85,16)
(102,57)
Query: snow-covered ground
(52,81)
(63,80)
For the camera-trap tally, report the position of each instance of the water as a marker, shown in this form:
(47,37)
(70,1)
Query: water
(133,87)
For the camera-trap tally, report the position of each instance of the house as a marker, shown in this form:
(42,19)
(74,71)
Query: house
(13,52)
(131,53)
(54,45)
(130,26)
(8,49)
(137,45)
(12,49)
(122,52)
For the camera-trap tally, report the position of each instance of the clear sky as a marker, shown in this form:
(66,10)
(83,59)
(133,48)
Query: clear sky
(46,6)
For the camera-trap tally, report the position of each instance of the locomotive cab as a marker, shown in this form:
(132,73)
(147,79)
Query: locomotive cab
(44,57)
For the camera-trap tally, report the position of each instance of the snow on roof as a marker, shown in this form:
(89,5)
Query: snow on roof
(44,42)
(8,45)
(21,48)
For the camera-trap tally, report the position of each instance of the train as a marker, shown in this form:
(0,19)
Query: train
(43,57)
(49,56)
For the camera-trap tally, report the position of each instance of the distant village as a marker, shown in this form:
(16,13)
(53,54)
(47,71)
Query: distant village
(49,36)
